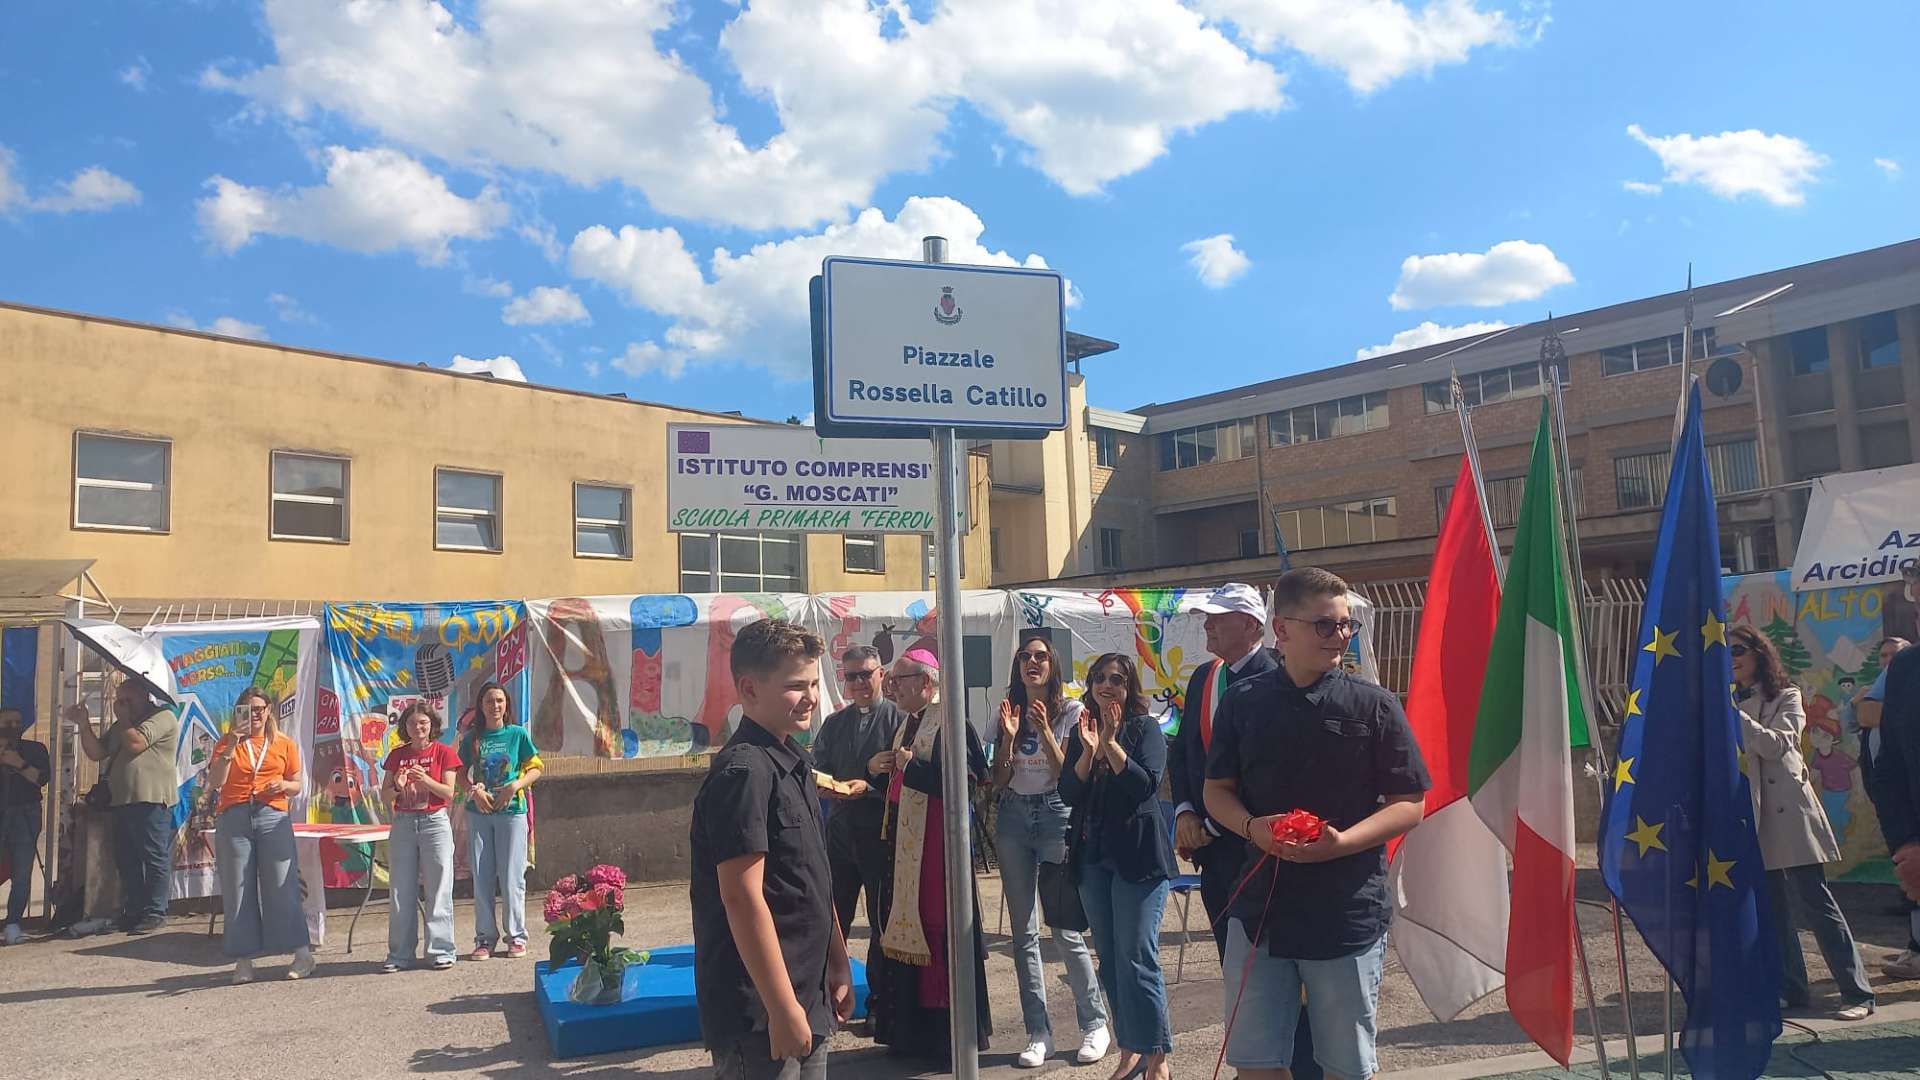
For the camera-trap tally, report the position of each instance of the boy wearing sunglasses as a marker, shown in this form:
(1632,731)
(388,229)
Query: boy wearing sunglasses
(1310,737)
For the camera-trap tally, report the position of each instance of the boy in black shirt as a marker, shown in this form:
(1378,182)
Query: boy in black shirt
(1310,737)
(23,772)
(770,969)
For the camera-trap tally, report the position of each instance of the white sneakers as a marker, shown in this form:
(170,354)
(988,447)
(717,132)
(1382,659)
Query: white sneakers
(1904,966)
(13,934)
(242,972)
(1094,1046)
(1035,1054)
(302,963)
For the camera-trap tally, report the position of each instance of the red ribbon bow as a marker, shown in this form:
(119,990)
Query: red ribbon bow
(1297,826)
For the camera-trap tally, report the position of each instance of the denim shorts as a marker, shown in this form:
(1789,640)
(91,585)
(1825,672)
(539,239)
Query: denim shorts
(1342,995)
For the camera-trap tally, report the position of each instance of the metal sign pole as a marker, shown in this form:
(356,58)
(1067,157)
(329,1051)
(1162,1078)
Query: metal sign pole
(957,806)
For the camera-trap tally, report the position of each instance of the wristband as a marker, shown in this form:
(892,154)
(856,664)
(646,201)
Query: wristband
(1246,828)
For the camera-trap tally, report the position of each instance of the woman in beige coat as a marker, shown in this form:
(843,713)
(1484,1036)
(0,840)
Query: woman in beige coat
(1795,838)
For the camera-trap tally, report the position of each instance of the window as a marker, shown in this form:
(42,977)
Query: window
(1654,353)
(863,553)
(758,562)
(466,512)
(1879,341)
(1327,419)
(1808,348)
(993,548)
(1504,496)
(602,521)
(1360,521)
(1885,445)
(1249,543)
(1188,447)
(1106,447)
(120,483)
(1640,480)
(309,497)
(1110,549)
(1485,387)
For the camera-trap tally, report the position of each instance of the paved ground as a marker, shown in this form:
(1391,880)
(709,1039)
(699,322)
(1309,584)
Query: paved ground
(1879,1051)
(161,1006)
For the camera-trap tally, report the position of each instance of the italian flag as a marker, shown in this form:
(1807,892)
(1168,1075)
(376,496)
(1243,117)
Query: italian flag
(1520,774)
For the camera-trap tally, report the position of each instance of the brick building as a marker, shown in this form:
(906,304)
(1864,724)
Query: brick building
(1353,464)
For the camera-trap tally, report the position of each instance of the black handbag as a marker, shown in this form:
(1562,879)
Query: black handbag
(1060,903)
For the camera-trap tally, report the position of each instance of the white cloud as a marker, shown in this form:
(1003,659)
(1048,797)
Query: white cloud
(500,367)
(752,307)
(545,304)
(1508,271)
(1371,42)
(1427,333)
(1888,166)
(644,358)
(373,201)
(288,310)
(225,326)
(592,368)
(1734,163)
(487,286)
(541,234)
(862,91)
(1216,260)
(1640,187)
(12,191)
(89,190)
(135,74)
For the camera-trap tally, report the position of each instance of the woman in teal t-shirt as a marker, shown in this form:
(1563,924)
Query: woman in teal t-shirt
(498,763)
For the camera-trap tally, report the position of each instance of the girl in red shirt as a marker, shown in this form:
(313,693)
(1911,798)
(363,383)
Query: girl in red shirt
(419,785)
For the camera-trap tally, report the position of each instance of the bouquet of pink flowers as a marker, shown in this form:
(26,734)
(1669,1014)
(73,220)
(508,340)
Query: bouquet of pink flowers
(584,912)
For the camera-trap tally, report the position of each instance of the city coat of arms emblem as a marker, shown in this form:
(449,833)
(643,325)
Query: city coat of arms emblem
(947,311)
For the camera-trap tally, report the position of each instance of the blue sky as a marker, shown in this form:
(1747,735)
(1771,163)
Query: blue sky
(552,183)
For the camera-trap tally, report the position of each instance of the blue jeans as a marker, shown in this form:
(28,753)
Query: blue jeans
(1032,829)
(421,845)
(1343,1002)
(1125,916)
(497,846)
(143,849)
(19,835)
(259,882)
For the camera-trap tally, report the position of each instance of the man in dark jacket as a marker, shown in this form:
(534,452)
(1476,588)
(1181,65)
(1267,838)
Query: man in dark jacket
(1896,788)
(847,742)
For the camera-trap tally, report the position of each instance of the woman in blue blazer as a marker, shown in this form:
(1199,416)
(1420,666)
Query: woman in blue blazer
(1123,857)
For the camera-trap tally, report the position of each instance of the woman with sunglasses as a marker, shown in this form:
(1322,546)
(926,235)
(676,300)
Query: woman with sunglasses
(420,777)
(256,768)
(1123,857)
(1795,837)
(1037,723)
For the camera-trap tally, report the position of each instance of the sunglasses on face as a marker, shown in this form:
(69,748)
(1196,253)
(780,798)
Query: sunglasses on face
(1033,657)
(1738,649)
(861,676)
(1111,678)
(1327,628)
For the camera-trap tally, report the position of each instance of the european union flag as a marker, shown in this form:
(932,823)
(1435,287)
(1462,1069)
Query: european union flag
(1677,845)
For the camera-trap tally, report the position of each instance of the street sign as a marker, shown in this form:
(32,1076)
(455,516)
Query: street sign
(937,345)
(786,478)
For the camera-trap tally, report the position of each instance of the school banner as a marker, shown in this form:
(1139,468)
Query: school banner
(381,659)
(1829,642)
(211,663)
(1161,629)
(648,675)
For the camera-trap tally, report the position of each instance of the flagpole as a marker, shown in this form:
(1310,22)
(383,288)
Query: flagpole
(1479,482)
(1553,361)
(1686,362)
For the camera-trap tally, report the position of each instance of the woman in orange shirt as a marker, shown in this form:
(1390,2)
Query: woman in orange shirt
(255,767)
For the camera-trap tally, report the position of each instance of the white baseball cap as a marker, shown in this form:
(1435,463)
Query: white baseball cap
(1235,597)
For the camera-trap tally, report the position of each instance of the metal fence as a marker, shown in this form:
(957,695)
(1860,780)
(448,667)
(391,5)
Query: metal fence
(1612,622)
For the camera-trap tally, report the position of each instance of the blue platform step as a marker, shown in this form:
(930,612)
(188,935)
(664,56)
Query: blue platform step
(656,1006)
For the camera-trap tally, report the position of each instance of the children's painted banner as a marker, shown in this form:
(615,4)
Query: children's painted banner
(211,664)
(1829,643)
(381,659)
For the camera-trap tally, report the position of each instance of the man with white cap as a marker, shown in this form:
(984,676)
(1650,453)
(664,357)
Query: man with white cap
(1236,622)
